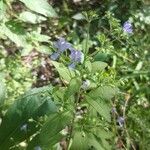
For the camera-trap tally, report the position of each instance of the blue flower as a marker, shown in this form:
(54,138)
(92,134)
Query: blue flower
(37,148)
(24,127)
(55,56)
(127,27)
(76,56)
(113,110)
(121,121)
(72,66)
(62,45)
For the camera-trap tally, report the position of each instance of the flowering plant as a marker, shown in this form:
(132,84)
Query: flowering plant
(95,75)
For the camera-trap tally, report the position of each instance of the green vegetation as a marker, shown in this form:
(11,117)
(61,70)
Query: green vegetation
(74,75)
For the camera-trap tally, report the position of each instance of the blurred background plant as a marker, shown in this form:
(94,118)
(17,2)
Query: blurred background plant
(28,29)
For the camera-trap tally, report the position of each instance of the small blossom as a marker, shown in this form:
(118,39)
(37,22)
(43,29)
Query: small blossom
(55,56)
(85,84)
(24,127)
(62,45)
(76,56)
(113,110)
(37,148)
(72,66)
(127,27)
(121,121)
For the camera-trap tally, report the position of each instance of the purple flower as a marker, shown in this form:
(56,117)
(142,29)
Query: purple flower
(121,121)
(24,127)
(62,45)
(55,56)
(37,148)
(76,56)
(72,66)
(113,110)
(127,27)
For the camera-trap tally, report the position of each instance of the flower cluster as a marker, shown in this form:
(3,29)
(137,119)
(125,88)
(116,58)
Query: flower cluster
(76,57)
(127,27)
(61,45)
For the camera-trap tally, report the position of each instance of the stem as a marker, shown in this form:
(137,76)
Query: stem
(125,125)
(87,39)
(73,120)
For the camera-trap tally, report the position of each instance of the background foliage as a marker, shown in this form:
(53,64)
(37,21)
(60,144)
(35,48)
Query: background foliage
(117,66)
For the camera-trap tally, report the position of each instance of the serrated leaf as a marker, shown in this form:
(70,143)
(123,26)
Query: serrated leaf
(98,66)
(19,40)
(101,107)
(30,105)
(50,132)
(64,72)
(79,141)
(104,92)
(27,16)
(41,7)
(73,87)
(93,142)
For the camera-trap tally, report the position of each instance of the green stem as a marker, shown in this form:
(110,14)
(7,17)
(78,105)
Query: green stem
(73,120)
(87,40)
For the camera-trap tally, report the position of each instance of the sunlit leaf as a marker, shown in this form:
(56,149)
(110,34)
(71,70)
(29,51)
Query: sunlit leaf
(27,16)
(41,7)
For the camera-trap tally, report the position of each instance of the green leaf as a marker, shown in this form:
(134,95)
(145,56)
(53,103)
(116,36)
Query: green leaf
(103,136)
(50,132)
(78,16)
(19,40)
(94,142)
(41,7)
(100,106)
(2,93)
(101,57)
(2,10)
(29,17)
(63,71)
(44,49)
(34,142)
(98,66)
(73,88)
(104,92)
(30,105)
(37,36)
(80,141)
(26,50)
(88,66)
